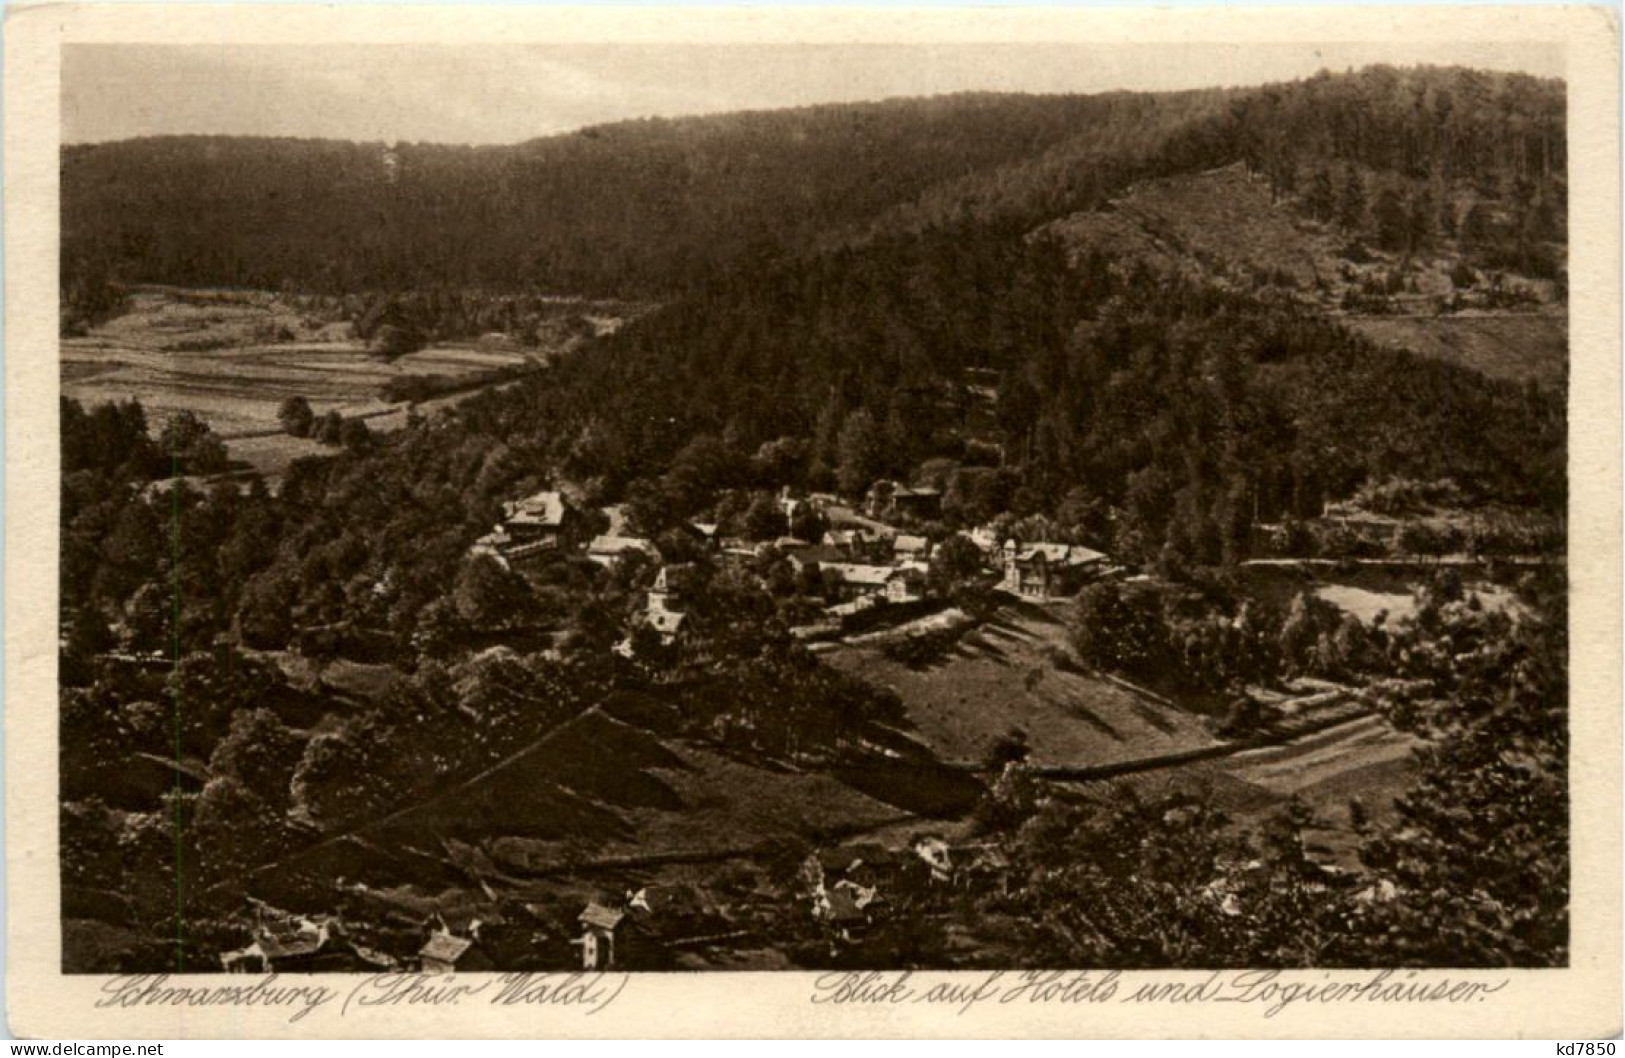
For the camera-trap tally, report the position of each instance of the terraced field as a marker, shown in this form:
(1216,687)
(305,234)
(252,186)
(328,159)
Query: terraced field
(1005,674)
(234,363)
(232,358)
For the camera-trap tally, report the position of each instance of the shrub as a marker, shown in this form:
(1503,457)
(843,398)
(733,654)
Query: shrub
(296,417)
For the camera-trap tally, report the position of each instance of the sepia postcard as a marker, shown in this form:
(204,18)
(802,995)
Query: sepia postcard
(798,522)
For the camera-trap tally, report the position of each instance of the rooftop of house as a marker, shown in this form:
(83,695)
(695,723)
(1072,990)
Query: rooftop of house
(982,536)
(818,555)
(668,900)
(443,947)
(897,488)
(1055,554)
(872,529)
(544,508)
(908,542)
(860,574)
(606,544)
(600,917)
(843,906)
(935,854)
(289,946)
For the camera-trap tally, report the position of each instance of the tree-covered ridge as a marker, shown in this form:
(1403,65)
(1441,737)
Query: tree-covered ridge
(1472,135)
(642,208)
(637,207)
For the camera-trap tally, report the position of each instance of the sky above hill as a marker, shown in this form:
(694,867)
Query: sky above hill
(508,93)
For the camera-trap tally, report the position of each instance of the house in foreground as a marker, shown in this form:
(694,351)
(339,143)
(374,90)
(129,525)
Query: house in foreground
(445,952)
(854,579)
(937,856)
(667,624)
(599,925)
(908,547)
(905,584)
(292,944)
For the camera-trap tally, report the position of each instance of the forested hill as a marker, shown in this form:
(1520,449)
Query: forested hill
(970,343)
(646,208)
(636,208)
(1502,134)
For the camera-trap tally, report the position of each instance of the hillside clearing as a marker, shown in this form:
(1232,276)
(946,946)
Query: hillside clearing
(1225,226)
(1516,347)
(1012,672)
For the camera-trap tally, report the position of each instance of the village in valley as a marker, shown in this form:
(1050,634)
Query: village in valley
(877,574)
(873,560)
(859,559)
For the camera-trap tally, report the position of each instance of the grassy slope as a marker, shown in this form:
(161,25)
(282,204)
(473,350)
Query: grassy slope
(598,792)
(1366,759)
(1002,676)
(220,359)
(962,704)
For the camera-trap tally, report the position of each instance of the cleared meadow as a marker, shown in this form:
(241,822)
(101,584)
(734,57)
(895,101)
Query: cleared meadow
(233,358)
(238,390)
